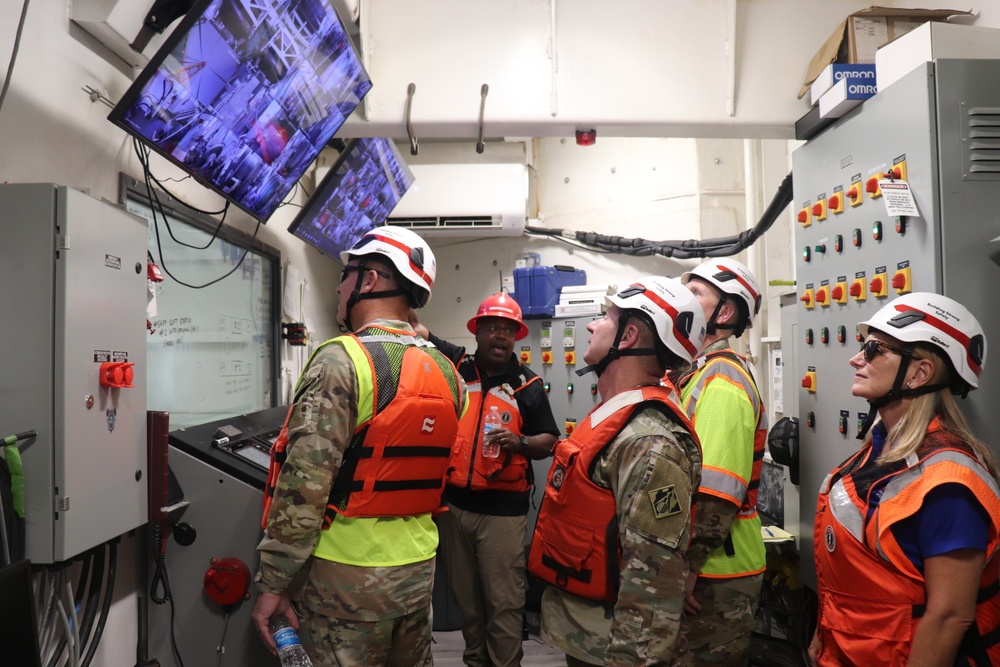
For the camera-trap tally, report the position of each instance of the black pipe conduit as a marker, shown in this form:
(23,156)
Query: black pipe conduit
(690,249)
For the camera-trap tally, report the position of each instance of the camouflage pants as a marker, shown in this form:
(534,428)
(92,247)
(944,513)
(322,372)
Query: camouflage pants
(719,635)
(375,617)
(397,642)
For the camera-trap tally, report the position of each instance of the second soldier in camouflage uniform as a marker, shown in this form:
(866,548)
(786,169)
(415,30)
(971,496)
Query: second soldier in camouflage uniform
(616,519)
(350,566)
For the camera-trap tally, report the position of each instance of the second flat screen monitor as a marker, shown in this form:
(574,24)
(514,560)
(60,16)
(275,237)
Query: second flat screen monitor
(357,195)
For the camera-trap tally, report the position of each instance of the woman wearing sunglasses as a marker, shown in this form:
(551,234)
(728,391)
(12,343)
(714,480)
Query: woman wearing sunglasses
(907,529)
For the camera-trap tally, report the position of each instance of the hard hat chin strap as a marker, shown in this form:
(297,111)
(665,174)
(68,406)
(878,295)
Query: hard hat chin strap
(614,353)
(356,296)
(897,392)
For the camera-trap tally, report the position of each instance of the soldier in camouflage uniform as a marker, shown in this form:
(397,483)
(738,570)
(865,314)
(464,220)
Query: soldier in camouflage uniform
(350,565)
(615,522)
(726,557)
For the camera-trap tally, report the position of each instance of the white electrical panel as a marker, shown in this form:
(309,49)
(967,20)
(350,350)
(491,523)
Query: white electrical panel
(938,131)
(72,318)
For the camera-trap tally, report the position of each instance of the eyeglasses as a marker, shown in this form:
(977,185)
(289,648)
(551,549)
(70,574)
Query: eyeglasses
(351,268)
(347,270)
(871,348)
(493,328)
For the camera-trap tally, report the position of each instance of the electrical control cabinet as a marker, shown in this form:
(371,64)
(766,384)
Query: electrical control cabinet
(554,350)
(73,360)
(937,130)
(221,489)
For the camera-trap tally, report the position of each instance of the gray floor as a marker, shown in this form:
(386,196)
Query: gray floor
(448,647)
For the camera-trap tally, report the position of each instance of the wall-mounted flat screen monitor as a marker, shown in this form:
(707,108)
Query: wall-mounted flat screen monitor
(244,94)
(357,195)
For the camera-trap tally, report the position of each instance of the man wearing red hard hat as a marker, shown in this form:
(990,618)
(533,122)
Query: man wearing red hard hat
(483,534)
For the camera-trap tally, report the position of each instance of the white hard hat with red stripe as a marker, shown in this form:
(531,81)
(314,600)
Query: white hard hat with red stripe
(732,278)
(672,310)
(925,317)
(406,251)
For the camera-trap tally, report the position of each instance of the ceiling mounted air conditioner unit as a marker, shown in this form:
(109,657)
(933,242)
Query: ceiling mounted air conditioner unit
(465,200)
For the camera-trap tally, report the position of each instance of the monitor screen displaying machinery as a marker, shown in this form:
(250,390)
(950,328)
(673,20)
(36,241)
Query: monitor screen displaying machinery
(358,194)
(244,94)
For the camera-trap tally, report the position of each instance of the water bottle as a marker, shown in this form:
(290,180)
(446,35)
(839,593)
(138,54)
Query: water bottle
(491,422)
(290,651)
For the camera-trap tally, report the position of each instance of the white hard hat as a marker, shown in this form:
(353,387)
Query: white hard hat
(671,309)
(732,278)
(925,317)
(406,251)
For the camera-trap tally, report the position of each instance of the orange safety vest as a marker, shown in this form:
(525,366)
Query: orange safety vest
(469,469)
(871,596)
(396,462)
(575,545)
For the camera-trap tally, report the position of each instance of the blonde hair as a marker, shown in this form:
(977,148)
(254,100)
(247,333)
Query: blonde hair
(906,436)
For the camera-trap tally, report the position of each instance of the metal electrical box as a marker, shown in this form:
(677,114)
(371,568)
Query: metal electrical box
(554,350)
(73,310)
(938,131)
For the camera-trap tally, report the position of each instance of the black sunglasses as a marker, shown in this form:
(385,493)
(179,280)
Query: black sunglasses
(871,348)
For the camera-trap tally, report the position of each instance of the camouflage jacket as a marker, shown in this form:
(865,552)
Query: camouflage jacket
(320,428)
(643,626)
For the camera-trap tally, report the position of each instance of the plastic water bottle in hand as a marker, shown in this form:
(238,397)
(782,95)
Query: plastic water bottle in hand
(491,422)
(290,651)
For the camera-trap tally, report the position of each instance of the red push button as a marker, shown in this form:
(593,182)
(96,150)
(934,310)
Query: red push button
(117,374)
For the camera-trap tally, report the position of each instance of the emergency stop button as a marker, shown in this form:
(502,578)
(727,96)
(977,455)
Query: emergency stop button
(117,374)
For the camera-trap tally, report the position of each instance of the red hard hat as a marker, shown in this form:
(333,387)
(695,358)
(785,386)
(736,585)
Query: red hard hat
(500,305)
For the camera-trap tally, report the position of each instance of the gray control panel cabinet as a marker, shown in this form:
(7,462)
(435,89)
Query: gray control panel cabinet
(73,271)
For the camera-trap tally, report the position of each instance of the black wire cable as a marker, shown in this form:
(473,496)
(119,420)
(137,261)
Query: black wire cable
(143,154)
(13,53)
(93,595)
(51,572)
(173,637)
(689,249)
(160,579)
(109,590)
(222,643)
(144,160)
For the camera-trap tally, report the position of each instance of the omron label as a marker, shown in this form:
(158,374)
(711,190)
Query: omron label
(112,262)
(100,356)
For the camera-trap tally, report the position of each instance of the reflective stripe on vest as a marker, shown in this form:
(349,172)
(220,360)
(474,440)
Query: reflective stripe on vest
(746,554)
(471,470)
(575,545)
(856,556)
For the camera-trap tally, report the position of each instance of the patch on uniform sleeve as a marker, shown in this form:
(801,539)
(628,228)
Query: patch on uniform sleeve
(661,508)
(665,502)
